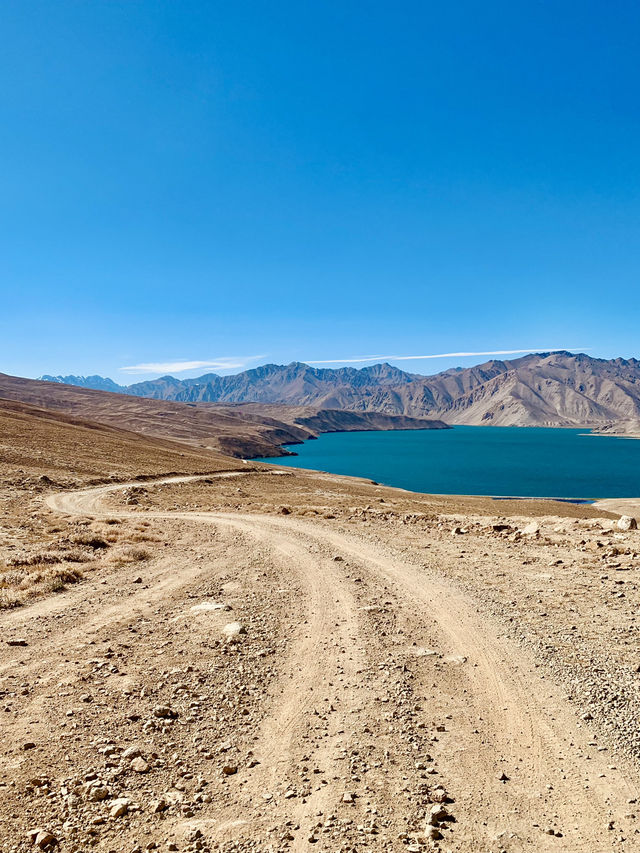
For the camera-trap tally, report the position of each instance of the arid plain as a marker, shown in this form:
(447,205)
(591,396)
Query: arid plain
(201,653)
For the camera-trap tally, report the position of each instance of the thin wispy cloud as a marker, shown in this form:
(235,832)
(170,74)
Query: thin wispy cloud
(222,363)
(363,358)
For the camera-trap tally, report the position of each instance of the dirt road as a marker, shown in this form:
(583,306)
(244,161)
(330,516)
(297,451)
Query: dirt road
(361,694)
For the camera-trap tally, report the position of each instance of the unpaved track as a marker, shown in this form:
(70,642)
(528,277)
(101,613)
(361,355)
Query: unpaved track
(500,714)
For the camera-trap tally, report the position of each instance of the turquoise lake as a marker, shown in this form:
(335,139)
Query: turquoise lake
(468,460)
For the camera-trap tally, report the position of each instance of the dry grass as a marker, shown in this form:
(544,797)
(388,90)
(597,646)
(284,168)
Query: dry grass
(143,537)
(91,540)
(128,554)
(43,558)
(20,584)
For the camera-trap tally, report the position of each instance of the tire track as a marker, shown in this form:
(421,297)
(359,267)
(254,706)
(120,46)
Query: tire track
(505,714)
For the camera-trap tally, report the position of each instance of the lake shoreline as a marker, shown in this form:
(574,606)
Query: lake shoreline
(503,463)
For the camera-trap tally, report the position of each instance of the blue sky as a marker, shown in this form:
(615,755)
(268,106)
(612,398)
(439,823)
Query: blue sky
(234,183)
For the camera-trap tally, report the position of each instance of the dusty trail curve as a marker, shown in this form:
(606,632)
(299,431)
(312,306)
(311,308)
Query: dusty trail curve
(500,717)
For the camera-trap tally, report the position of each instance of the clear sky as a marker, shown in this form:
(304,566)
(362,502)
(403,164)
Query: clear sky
(240,182)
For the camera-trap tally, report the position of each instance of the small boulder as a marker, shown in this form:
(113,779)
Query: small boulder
(131,752)
(119,807)
(140,765)
(531,529)
(97,793)
(437,814)
(232,631)
(45,840)
(627,522)
(164,712)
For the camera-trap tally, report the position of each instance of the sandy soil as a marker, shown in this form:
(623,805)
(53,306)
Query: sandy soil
(621,506)
(301,661)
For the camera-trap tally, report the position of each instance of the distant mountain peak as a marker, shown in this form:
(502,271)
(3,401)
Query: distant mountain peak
(547,388)
(97,383)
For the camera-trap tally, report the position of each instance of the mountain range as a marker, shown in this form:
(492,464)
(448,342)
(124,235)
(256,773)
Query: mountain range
(542,389)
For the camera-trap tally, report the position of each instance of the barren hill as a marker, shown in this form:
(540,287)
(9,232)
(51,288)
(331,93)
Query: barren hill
(544,389)
(230,429)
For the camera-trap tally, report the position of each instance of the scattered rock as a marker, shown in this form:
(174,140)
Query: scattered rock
(232,630)
(437,814)
(139,765)
(627,522)
(208,606)
(97,792)
(19,642)
(43,839)
(119,807)
(131,752)
(164,712)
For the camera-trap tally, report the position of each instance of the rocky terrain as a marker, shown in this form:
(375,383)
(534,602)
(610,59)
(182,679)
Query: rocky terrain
(235,430)
(544,389)
(248,658)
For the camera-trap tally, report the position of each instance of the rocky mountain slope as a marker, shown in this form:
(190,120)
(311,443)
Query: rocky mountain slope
(234,430)
(295,383)
(544,389)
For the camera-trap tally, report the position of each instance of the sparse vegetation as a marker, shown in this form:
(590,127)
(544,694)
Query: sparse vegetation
(90,540)
(20,584)
(129,554)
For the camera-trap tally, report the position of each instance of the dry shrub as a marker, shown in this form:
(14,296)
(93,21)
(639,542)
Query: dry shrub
(90,540)
(57,580)
(44,557)
(143,537)
(129,554)
(11,578)
(10,598)
(19,585)
(77,555)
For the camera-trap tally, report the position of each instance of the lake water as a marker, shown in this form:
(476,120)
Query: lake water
(467,460)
